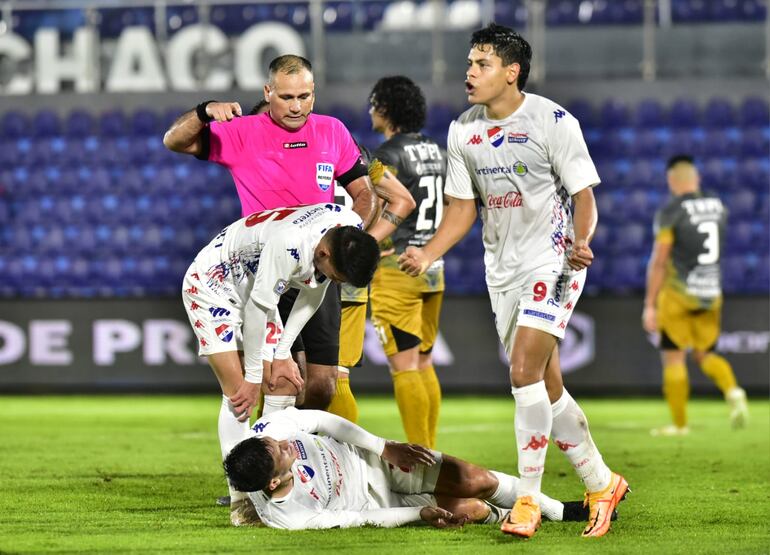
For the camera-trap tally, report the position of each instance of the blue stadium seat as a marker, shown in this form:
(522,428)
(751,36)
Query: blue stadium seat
(754,173)
(114,20)
(754,112)
(584,112)
(690,11)
(626,274)
(740,237)
(46,123)
(145,122)
(741,203)
(650,114)
(684,113)
(760,277)
(719,113)
(562,12)
(755,142)
(14,125)
(686,141)
(79,124)
(338,16)
(721,143)
(614,114)
(113,124)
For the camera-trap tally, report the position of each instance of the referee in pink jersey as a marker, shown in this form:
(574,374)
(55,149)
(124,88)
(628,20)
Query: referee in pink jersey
(282,158)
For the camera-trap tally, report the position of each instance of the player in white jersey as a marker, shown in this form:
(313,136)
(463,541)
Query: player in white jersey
(523,160)
(347,477)
(232,288)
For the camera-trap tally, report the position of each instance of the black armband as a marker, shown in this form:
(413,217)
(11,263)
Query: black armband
(359,169)
(200,111)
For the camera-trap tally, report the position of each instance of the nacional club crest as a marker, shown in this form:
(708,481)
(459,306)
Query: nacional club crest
(305,473)
(496,136)
(224,332)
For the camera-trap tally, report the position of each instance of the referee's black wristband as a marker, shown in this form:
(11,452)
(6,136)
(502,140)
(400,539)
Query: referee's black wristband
(200,111)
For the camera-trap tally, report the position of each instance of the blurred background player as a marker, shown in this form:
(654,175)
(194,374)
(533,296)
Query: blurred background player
(523,159)
(232,288)
(376,482)
(406,309)
(684,293)
(396,204)
(297,172)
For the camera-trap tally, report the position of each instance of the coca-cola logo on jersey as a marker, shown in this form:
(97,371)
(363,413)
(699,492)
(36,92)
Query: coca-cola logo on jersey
(511,199)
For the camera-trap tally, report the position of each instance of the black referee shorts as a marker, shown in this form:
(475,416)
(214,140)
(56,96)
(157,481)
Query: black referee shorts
(320,338)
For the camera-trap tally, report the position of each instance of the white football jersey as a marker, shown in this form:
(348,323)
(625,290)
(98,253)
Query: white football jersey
(331,485)
(523,170)
(264,254)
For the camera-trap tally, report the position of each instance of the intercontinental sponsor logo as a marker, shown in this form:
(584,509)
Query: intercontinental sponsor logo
(517,168)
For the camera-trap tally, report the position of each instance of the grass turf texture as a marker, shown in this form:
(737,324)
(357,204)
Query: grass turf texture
(140,474)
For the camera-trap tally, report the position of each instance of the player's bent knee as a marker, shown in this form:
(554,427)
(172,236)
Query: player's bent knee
(319,393)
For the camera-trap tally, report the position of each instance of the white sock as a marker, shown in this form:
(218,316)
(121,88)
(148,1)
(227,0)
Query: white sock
(505,494)
(275,403)
(533,427)
(550,508)
(231,432)
(570,433)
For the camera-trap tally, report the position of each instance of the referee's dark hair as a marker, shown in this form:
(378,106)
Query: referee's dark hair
(679,159)
(354,253)
(509,46)
(401,102)
(290,64)
(249,465)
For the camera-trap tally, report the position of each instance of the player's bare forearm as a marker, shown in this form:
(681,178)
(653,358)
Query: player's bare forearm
(364,200)
(184,134)
(585,215)
(399,204)
(656,272)
(456,222)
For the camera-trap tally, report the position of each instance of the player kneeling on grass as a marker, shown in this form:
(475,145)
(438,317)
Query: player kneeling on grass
(232,288)
(347,477)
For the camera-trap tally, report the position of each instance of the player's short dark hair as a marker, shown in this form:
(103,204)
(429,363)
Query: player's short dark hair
(289,63)
(679,159)
(509,45)
(249,465)
(355,254)
(399,101)
(259,107)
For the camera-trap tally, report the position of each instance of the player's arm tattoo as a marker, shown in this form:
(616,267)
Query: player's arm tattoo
(392,218)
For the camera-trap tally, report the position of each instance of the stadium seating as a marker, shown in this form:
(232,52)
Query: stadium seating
(93,205)
(385,14)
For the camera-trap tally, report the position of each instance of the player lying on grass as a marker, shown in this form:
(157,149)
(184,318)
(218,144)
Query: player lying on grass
(347,477)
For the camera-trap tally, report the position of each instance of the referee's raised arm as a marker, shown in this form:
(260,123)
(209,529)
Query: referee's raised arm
(185,134)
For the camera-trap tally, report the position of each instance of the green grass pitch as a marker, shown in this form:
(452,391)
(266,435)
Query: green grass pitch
(140,474)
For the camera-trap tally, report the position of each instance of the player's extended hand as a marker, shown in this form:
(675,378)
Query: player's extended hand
(441,518)
(650,319)
(224,111)
(581,255)
(285,369)
(245,399)
(413,261)
(406,455)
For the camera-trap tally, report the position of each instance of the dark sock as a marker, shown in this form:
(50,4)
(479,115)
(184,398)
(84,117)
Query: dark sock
(574,511)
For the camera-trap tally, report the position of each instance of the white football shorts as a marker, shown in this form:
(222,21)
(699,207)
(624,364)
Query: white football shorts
(543,301)
(390,486)
(217,324)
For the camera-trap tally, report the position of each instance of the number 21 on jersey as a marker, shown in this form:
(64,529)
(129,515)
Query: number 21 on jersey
(434,197)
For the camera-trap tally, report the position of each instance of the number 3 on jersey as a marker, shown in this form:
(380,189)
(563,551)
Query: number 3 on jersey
(435,196)
(711,243)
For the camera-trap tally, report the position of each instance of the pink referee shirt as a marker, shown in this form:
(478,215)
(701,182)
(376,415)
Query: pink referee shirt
(273,167)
